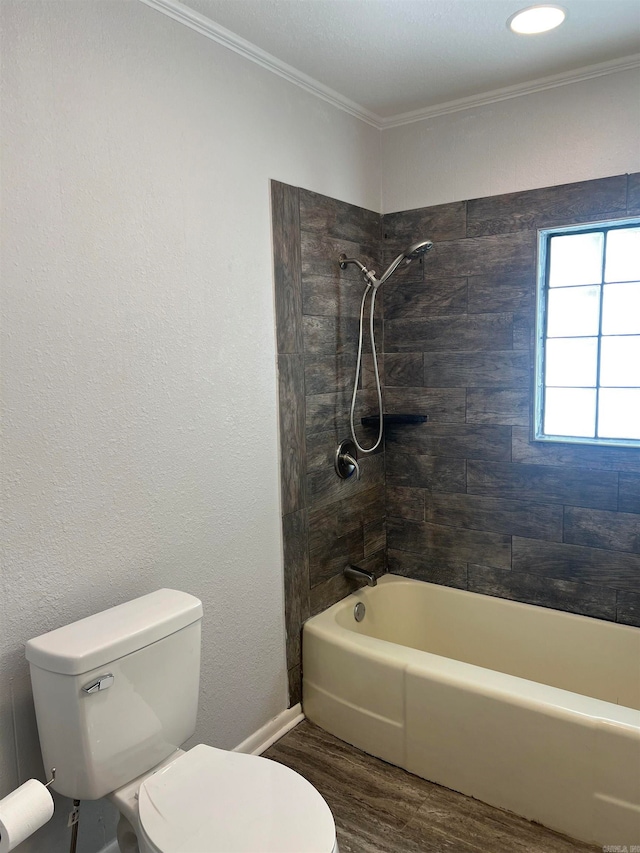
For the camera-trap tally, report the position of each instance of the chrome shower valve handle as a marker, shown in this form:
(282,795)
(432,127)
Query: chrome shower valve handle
(351,460)
(346,461)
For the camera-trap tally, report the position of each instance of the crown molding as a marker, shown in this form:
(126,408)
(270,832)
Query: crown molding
(626,63)
(206,27)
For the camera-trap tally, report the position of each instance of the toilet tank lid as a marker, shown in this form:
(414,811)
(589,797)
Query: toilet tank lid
(107,636)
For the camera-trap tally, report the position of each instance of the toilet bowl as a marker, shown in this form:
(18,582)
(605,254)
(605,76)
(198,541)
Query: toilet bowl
(207,800)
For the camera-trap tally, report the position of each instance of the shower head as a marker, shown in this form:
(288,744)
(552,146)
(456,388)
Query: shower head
(417,250)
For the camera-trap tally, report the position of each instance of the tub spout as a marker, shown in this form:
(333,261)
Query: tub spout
(357,574)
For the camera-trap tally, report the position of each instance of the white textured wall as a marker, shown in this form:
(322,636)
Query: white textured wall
(572,133)
(140,432)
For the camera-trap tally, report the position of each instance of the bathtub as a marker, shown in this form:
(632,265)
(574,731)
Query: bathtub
(528,709)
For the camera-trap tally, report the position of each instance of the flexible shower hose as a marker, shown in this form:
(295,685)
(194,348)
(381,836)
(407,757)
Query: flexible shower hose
(375,370)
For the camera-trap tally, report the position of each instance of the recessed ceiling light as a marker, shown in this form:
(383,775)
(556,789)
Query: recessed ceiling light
(536,19)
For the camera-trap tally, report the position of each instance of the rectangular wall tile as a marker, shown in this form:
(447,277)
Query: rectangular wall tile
(328,216)
(520,518)
(440,222)
(329,336)
(492,549)
(405,502)
(321,449)
(352,513)
(496,294)
(581,598)
(523,331)
(577,563)
(633,194)
(507,406)
(617,531)
(324,486)
(287,267)
(328,374)
(475,332)
(375,537)
(326,411)
(542,483)
(328,592)
(341,429)
(292,438)
(498,255)
(584,201)
(333,555)
(403,368)
(320,254)
(294,676)
(425,567)
(572,455)
(506,369)
(629,492)
(322,446)
(403,299)
(295,530)
(628,608)
(444,405)
(334,335)
(425,472)
(333,297)
(367,373)
(462,441)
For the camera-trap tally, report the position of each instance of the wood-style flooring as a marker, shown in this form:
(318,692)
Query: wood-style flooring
(379,808)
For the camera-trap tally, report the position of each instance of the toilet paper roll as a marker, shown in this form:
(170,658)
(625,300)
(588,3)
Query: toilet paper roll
(22,812)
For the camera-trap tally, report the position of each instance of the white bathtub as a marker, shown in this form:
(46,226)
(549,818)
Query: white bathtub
(525,708)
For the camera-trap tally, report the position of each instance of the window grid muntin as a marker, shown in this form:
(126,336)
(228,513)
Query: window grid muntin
(603,263)
(542,286)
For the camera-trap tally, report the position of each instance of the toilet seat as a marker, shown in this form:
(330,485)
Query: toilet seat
(212,801)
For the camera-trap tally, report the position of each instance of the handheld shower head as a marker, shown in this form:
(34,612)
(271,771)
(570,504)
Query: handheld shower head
(414,251)
(417,250)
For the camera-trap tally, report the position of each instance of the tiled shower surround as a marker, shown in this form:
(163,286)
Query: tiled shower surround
(466,499)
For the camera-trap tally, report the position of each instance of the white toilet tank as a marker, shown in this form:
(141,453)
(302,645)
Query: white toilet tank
(117,692)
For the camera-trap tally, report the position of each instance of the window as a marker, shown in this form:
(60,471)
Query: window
(588,334)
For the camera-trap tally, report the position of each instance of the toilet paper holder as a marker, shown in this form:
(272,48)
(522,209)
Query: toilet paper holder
(53,778)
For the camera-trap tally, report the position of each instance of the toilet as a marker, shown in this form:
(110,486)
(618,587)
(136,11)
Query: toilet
(116,696)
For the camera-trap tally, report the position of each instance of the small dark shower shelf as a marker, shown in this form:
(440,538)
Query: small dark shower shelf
(388,420)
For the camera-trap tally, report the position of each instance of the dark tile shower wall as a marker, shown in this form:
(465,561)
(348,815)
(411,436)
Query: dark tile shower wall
(327,522)
(471,501)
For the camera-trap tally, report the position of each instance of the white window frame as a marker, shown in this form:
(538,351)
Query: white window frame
(542,289)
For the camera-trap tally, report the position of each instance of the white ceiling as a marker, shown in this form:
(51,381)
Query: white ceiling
(392,57)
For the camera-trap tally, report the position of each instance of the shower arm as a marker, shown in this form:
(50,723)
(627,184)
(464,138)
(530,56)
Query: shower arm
(370,275)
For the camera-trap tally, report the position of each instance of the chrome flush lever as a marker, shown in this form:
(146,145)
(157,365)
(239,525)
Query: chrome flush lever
(99,683)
